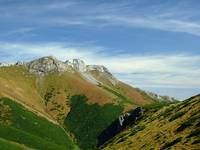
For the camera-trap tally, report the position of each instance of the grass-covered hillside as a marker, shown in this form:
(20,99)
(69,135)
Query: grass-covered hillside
(18,83)
(49,94)
(56,95)
(23,129)
(176,126)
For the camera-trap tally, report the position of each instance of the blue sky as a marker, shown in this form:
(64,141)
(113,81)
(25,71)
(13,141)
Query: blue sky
(153,44)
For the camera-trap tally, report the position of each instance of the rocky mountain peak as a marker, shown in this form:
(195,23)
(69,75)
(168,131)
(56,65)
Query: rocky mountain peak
(79,65)
(50,64)
(103,71)
(99,68)
(47,64)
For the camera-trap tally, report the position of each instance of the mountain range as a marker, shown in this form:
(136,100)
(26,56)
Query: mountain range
(67,105)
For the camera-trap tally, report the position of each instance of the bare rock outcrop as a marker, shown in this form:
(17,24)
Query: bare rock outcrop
(46,65)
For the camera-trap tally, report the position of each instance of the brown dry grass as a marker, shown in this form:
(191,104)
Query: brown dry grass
(17,83)
(123,88)
(73,84)
(133,94)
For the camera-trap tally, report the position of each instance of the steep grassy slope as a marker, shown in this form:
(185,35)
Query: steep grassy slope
(57,90)
(87,121)
(53,95)
(19,84)
(19,125)
(137,96)
(49,94)
(176,127)
(127,91)
(9,145)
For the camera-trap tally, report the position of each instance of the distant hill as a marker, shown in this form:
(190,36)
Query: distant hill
(73,94)
(176,126)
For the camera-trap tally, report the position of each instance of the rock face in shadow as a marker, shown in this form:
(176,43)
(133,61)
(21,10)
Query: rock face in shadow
(120,124)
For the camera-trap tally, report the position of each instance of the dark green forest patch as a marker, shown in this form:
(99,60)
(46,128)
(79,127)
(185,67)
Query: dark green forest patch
(87,121)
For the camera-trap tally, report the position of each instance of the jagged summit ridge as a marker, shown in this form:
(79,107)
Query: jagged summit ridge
(47,64)
(51,64)
(79,65)
(99,68)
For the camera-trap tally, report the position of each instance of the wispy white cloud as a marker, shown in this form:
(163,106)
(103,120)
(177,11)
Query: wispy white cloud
(177,17)
(155,23)
(20,31)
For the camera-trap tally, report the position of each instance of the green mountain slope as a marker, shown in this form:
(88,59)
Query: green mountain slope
(17,124)
(86,121)
(43,84)
(10,145)
(176,126)
(52,88)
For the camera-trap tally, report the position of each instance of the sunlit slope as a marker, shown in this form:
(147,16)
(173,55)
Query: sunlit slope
(19,126)
(49,94)
(70,95)
(176,127)
(18,83)
(123,89)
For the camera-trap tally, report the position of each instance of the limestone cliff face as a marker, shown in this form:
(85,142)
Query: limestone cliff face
(50,64)
(79,65)
(99,68)
(102,72)
(47,64)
